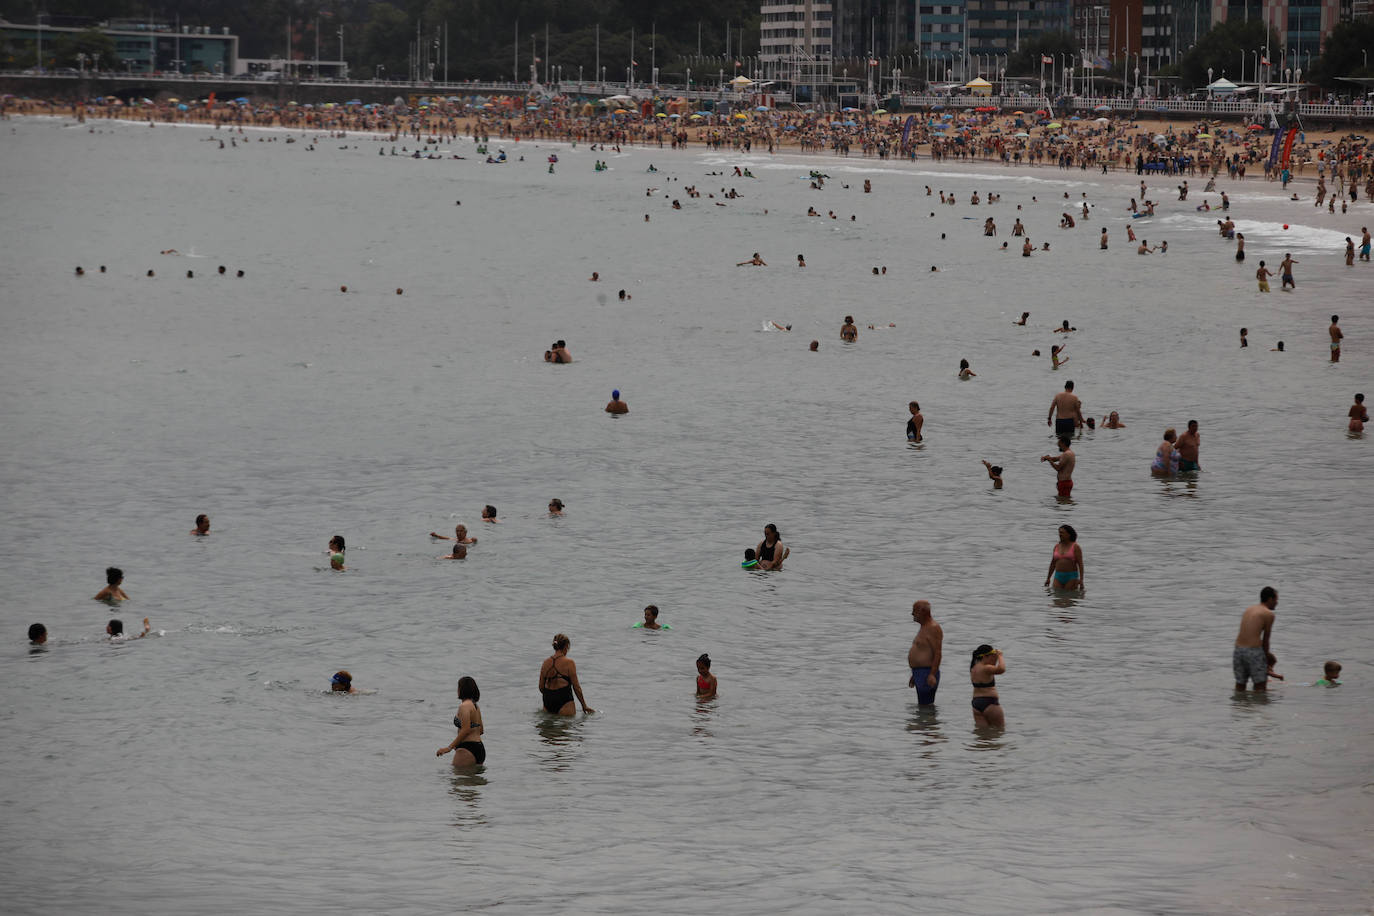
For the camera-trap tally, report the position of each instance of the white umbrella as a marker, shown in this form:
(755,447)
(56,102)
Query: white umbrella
(740,82)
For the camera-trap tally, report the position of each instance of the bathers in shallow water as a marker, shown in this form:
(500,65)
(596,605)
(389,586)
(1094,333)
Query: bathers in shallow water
(925,694)
(1250,662)
(477,749)
(703,684)
(982,703)
(1064,427)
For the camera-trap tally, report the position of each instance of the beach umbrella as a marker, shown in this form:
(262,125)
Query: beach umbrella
(1041,111)
(1018,112)
(878,111)
(1075,118)
(851,124)
(1022,135)
(849,109)
(947,117)
(1257,127)
(531,107)
(662,115)
(937,108)
(1160,138)
(1204,136)
(790,127)
(674,116)
(763,108)
(1102,120)
(1053,125)
(1103,108)
(182,107)
(241,100)
(695,117)
(740,82)
(174,100)
(986,108)
(740,116)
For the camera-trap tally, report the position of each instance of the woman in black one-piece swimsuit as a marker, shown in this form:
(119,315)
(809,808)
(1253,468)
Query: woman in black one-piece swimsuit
(558,681)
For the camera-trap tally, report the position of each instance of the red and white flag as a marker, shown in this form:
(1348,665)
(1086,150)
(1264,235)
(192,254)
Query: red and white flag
(1264,61)
(1046,59)
(872,62)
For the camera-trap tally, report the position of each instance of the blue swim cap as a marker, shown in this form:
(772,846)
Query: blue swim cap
(615,395)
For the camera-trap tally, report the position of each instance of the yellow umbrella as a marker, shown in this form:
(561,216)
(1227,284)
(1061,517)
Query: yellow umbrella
(174,100)
(695,118)
(660,115)
(741,116)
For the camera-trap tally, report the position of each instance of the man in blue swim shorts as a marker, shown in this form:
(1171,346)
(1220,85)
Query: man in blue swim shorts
(924,655)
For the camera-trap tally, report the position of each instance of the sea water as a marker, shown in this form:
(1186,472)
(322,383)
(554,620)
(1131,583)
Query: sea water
(208,768)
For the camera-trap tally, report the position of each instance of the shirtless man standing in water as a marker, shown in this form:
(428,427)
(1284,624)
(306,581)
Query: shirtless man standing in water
(1063,466)
(1249,659)
(1070,411)
(923,658)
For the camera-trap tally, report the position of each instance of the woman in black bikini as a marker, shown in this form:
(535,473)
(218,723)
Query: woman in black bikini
(468,749)
(987,663)
(770,551)
(558,681)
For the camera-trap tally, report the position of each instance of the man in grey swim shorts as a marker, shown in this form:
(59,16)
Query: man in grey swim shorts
(1249,657)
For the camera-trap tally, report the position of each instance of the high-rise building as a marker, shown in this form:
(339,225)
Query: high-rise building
(796,43)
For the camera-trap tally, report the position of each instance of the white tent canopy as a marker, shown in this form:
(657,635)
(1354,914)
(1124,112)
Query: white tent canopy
(977,83)
(1222,85)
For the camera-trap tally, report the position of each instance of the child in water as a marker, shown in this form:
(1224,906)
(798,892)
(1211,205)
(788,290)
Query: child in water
(650,621)
(706,681)
(1331,675)
(994,474)
(751,560)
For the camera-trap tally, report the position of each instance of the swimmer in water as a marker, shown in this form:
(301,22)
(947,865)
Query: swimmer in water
(770,550)
(755,261)
(1066,561)
(489,515)
(555,507)
(1064,328)
(459,553)
(460,534)
(706,681)
(615,405)
(1358,415)
(115,630)
(467,747)
(38,634)
(342,682)
(202,526)
(1056,352)
(558,697)
(815,346)
(1113,421)
(1022,322)
(987,708)
(994,474)
(965,372)
(114,577)
(336,562)
(751,559)
(650,621)
(914,423)
(849,331)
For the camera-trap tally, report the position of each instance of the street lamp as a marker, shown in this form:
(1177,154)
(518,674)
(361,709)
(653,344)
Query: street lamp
(377,72)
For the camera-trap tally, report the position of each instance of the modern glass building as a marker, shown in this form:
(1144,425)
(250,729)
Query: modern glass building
(140,47)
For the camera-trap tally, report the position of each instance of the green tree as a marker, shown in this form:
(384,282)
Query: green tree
(1026,62)
(1221,48)
(1346,54)
(91,42)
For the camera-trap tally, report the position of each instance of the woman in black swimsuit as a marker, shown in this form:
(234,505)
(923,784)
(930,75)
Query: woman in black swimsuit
(770,551)
(558,681)
(987,663)
(468,749)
